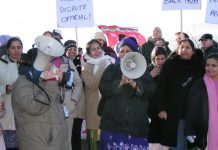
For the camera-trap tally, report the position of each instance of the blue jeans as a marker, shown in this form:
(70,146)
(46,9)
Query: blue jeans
(181,139)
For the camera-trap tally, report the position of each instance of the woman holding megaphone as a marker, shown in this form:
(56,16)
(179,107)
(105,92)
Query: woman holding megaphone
(125,91)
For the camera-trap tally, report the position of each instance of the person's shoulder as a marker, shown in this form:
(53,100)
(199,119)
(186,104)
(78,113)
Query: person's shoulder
(4,59)
(215,49)
(170,61)
(198,84)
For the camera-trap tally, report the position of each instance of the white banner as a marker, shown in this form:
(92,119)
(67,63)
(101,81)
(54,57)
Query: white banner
(74,13)
(212,12)
(181,4)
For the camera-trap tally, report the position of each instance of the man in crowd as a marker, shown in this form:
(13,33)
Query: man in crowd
(207,44)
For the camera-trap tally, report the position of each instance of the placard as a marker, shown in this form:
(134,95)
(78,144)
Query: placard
(74,13)
(181,4)
(212,12)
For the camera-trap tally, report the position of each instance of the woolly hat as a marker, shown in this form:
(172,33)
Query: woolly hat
(131,43)
(99,35)
(69,43)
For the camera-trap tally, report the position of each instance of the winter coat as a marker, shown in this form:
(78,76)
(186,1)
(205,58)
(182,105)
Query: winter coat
(176,77)
(198,114)
(125,109)
(76,91)
(39,119)
(80,106)
(92,94)
(156,122)
(8,75)
(146,50)
(210,50)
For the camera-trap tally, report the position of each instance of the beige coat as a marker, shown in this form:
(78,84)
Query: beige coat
(92,94)
(39,126)
(73,97)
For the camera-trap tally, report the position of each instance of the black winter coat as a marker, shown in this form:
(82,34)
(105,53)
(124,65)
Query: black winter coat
(176,78)
(198,114)
(210,50)
(125,109)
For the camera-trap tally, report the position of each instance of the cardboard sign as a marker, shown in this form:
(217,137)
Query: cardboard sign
(181,4)
(212,12)
(74,13)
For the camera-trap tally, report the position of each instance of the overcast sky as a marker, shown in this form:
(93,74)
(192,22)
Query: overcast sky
(30,18)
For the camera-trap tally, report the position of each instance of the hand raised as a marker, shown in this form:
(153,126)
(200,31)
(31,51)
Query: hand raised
(155,72)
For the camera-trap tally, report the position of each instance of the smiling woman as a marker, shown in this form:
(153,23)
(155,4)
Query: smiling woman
(182,69)
(202,116)
(95,62)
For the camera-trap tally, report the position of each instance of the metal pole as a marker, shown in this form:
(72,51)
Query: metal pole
(76,38)
(181,21)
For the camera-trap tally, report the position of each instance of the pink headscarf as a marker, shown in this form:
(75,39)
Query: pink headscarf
(213,113)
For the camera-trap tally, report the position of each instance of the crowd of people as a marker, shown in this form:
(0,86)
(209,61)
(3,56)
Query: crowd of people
(47,93)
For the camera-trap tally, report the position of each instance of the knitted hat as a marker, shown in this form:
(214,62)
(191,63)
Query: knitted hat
(131,43)
(99,35)
(69,43)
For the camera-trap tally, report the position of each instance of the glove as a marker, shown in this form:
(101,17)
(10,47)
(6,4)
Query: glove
(191,138)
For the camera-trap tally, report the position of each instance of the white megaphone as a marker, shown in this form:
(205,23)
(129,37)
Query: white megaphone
(47,48)
(133,65)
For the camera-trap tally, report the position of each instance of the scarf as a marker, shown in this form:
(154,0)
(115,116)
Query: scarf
(213,113)
(96,61)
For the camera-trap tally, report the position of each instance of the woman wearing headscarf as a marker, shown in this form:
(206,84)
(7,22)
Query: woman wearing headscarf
(202,114)
(8,75)
(124,122)
(93,67)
